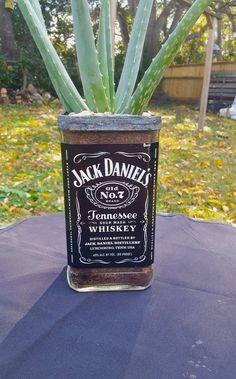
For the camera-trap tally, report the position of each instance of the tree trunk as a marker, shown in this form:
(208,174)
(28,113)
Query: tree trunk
(158,29)
(133,6)
(25,79)
(151,45)
(121,17)
(7,40)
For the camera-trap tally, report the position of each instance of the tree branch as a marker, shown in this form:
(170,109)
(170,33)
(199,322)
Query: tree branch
(197,34)
(177,16)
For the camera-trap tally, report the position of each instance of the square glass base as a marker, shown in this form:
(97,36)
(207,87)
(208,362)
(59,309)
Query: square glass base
(112,279)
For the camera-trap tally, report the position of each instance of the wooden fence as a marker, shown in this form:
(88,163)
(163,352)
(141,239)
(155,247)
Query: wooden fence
(184,82)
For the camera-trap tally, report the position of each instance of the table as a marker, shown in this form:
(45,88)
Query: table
(184,326)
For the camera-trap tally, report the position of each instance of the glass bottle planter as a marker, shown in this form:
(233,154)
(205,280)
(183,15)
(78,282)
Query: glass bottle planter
(110,170)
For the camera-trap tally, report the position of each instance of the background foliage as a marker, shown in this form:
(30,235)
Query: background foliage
(165,15)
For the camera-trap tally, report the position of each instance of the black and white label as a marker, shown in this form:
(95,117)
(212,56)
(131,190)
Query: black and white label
(110,201)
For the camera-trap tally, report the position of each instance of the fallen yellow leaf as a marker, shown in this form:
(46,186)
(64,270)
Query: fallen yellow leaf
(46,195)
(204,164)
(218,162)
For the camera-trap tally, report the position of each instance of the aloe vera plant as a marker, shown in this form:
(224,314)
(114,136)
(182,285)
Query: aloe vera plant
(96,62)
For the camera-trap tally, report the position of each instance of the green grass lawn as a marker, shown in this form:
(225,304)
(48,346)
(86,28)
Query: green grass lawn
(197,173)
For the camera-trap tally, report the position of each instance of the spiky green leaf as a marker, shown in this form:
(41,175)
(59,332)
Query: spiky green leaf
(105,52)
(37,8)
(134,54)
(164,58)
(57,72)
(91,77)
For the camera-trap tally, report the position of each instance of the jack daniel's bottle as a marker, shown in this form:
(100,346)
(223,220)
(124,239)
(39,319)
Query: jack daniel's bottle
(110,173)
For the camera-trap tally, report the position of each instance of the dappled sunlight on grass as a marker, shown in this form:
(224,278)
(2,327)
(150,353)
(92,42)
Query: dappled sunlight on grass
(196,176)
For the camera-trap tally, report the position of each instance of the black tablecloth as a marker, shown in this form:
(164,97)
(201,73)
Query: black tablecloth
(184,326)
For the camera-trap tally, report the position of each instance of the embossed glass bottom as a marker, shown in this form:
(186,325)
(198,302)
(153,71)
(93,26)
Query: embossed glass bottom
(112,279)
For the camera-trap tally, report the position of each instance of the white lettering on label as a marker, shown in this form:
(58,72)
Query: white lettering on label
(93,215)
(112,228)
(111,168)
